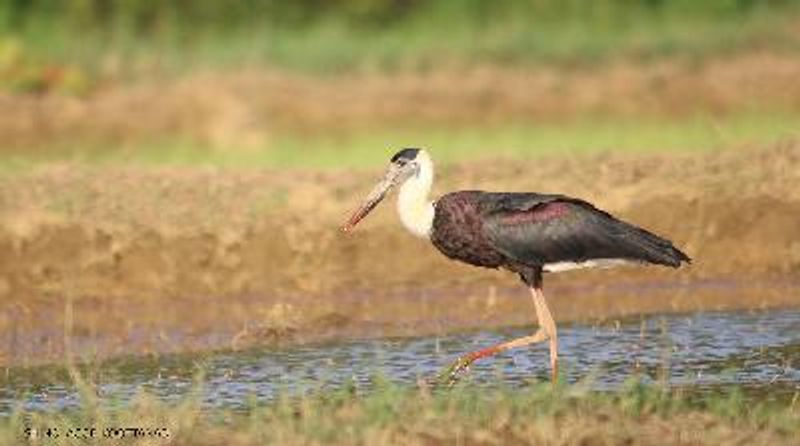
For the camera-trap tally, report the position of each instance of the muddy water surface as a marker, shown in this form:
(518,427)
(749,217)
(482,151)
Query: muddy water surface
(753,349)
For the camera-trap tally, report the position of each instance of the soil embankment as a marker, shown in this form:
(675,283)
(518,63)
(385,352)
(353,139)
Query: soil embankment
(155,260)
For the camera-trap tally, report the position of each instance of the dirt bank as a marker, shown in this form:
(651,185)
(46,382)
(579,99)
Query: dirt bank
(170,259)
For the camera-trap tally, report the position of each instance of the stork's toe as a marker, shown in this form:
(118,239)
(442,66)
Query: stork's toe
(450,376)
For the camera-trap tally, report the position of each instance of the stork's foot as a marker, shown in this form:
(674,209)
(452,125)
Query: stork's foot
(450,376)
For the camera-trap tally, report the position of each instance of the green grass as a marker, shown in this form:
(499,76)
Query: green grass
(173,37)
(449,144)
(391,414)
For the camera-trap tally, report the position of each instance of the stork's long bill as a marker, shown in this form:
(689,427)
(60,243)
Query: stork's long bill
(372,200)
(377,194)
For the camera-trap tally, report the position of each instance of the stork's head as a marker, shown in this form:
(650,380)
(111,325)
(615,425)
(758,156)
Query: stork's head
(405,164)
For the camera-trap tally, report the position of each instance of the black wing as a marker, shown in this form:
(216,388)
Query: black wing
(537,229)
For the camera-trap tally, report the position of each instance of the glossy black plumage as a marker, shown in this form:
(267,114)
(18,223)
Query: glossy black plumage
(524,232)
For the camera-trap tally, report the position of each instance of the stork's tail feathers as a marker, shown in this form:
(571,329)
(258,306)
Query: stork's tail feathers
(654,249)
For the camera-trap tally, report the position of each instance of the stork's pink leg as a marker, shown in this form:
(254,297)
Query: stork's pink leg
(547,330)
(548,324)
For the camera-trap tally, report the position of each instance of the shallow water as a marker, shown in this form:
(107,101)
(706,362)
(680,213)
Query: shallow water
(753,349)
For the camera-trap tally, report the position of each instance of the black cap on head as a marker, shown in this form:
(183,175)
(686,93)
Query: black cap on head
(405,154)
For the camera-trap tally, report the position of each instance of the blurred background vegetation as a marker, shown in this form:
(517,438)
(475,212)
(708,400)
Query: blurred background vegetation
(81,47)
(320,35)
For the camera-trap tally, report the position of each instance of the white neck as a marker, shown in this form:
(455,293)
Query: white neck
(416,211)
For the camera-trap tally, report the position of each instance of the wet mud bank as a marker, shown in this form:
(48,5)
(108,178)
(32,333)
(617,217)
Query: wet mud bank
(150,261)
(100,328)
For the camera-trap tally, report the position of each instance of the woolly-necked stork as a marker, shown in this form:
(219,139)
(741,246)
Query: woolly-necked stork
(525,233)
